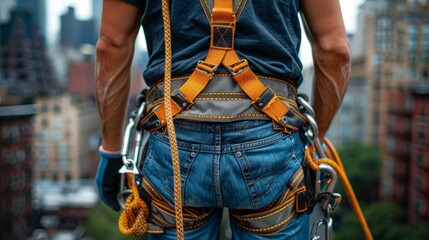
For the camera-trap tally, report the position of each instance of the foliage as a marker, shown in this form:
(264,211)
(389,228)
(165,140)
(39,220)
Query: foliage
(362,164)
(103,224)
(386,221)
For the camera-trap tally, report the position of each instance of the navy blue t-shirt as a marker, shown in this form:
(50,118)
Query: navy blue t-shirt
(268,35)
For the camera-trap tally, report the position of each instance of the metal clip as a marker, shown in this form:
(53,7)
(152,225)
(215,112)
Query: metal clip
(315,230)
(129,164)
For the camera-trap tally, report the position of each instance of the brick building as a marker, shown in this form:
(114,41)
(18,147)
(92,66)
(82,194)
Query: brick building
(418,209)
(16,178)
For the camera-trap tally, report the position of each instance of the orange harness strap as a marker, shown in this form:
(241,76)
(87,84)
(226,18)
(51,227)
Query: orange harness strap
(222,51)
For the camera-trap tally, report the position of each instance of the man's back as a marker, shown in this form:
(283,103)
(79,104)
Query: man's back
(268,35)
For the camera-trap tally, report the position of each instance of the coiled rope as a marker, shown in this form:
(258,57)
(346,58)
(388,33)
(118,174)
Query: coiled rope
(133,220)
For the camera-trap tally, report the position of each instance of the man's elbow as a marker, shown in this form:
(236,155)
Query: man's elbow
(105,50)
(338,50)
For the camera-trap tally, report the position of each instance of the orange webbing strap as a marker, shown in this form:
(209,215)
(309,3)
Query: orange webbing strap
(222,51)
(133,219)
(198,80)
(255,89)
(273,218)
(337,165)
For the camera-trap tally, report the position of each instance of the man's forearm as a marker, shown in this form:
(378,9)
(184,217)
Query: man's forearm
(332,69)
(112,90)
(120,23)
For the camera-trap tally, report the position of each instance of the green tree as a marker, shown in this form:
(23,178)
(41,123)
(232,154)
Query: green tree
(386,221)
(362,165)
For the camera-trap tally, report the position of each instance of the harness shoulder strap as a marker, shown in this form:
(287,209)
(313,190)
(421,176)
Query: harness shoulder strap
(221,51)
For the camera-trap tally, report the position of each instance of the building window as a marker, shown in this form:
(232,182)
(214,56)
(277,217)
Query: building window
(43,160)
(387,188)
(388,167)
(18,205)
(56,135)
(390,144)
(45,123)
(56,108)
(412,37)
(421,137)
(413,57)
(43,108)
(378,59)
(421,162)
(57,122)
(420,207)
(419,181)
(426,37)
(63,150)
(412,73)
(18,181)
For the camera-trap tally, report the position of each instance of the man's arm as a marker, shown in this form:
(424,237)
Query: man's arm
(120,23)
(331,55)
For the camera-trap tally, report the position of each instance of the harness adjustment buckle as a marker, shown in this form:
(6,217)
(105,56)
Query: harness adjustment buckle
(206,68)
(151,122)
(180,99)
(238,67)
(264,99)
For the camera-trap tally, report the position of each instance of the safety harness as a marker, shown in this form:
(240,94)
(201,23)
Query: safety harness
(145,210)
(222,53)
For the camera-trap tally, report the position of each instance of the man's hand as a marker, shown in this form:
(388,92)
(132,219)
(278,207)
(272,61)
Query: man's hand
(108,178)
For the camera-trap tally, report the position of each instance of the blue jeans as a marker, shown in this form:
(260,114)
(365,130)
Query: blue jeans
(238,165)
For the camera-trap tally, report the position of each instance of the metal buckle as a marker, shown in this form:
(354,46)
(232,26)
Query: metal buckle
(206,68)
(233,67)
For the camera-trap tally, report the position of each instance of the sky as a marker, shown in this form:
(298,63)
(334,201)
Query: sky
(83,9)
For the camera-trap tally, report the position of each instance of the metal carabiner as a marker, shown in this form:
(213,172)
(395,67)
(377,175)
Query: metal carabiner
(132,165)
(129,164)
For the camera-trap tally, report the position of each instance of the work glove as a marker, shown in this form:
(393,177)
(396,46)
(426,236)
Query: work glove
(108,179)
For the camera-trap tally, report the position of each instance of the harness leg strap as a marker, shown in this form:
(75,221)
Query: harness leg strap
(275,217)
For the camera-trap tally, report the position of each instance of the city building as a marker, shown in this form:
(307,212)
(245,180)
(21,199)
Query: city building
(386,104)
(418,210)
(391,54)
(66,139)
(406,163)
(74,32)
(349,124)
(16,179)
(38,10)
(25,67)
(398,147)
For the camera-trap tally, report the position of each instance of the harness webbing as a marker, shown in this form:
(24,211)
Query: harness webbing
(221,51)
(133,220)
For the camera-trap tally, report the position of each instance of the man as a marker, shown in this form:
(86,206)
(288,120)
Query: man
(233,152)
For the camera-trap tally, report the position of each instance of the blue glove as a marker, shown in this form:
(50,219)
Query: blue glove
(108,179)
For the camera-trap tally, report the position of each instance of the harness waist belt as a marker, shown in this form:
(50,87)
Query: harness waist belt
(222,100)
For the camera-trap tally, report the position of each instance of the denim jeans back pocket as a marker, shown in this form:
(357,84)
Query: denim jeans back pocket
(158,167)
(267,170)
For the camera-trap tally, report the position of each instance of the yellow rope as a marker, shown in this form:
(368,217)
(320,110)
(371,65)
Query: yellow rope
(337,165)
(170,124)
